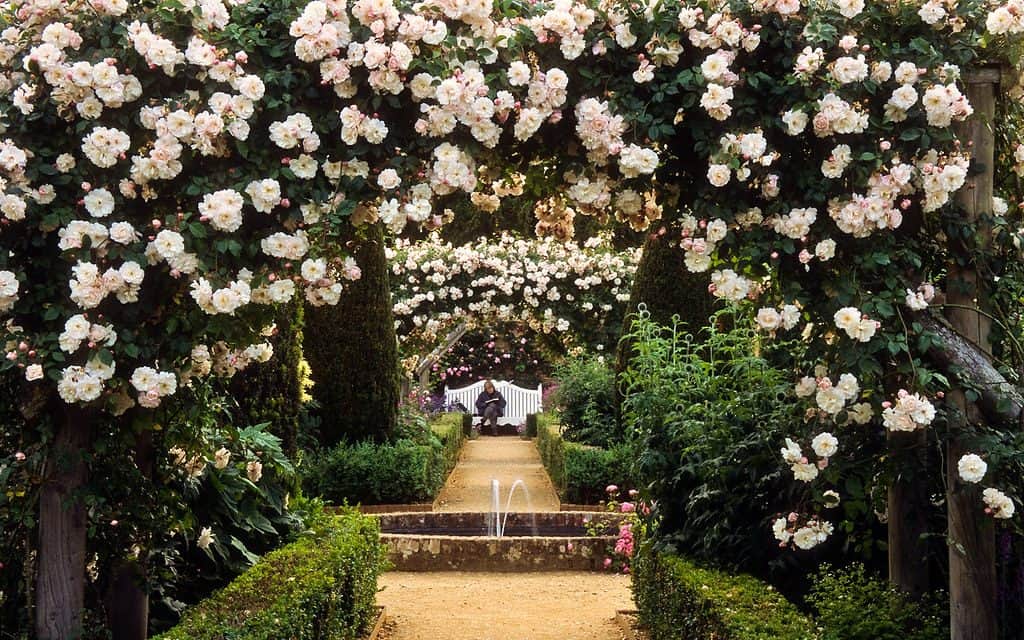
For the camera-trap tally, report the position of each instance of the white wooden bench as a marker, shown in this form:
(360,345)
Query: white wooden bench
(518,401)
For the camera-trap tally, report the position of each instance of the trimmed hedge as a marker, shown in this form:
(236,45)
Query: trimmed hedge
(677,600)
(400,472)
(580,473)
(322,587)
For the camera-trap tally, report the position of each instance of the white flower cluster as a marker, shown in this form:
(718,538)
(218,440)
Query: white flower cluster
(157,50)
(462,99)
(910,412)
(807,536)
(832,398)
(598,129)
(223,209)
(1006,19)
(998,504)
(837,116)
(153,385)
(796,224)
(295,130)
(918,300)
(9,286)
(941,177)
(729,285)
(78,329)
(169,246)
(264,194)
(825,445)
(856,324)
(104,146)
(226,300)
(287,246)
(355,124)
(89,287)
(530,281)
(771,319)
(566,21)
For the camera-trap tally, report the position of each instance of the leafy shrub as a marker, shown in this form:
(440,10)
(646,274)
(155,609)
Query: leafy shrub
(404,471)
(709,416)
(678,600)
(853,605)
(321,587)
(586,401)
(580,473)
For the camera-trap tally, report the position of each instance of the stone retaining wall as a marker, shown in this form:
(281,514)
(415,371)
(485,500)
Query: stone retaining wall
(506,555)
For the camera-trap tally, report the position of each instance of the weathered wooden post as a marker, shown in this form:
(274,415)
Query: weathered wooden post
(972,547)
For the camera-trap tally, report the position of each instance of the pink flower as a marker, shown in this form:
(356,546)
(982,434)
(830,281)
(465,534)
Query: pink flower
(627,507)
(611,488)
(607,562)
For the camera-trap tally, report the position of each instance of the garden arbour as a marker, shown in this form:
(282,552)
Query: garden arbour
(172,170)
(569,293)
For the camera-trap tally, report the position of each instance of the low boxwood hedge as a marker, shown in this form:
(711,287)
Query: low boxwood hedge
(321,587)
(579,472)
(678,600)
(400,472)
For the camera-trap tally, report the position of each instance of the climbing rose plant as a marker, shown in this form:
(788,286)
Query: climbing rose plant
(575,291)
(172,169)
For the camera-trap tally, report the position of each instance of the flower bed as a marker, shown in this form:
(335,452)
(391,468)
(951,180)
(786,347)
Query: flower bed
(322,586)
(678,600)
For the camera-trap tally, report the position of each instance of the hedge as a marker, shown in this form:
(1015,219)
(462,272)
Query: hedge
(322,587)
(352,349)
(400,472)
(677,600)
(579,472)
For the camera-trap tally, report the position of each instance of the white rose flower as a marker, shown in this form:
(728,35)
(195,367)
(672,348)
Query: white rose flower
(971,468)
(825,445)
(99,203)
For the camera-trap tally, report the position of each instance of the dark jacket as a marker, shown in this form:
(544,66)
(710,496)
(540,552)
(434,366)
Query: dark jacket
(481,402)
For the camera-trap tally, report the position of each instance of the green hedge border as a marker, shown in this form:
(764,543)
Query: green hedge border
(402,472)
(678,600)
(322,587)
(579,472)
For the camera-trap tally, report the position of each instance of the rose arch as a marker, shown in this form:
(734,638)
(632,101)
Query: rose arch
(576,293)
(172,170)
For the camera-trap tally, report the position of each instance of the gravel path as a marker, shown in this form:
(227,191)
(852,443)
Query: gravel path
(507,458)
(503,606)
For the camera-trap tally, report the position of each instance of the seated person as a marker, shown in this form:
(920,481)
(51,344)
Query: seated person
(491,405)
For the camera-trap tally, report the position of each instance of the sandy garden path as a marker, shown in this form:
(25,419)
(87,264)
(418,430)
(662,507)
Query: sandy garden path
(503,606)
(507,458)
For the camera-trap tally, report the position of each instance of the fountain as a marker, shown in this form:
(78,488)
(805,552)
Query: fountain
(495,522)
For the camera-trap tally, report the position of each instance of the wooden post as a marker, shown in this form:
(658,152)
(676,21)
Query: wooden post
(972,545)
(60,582)
(908,514)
